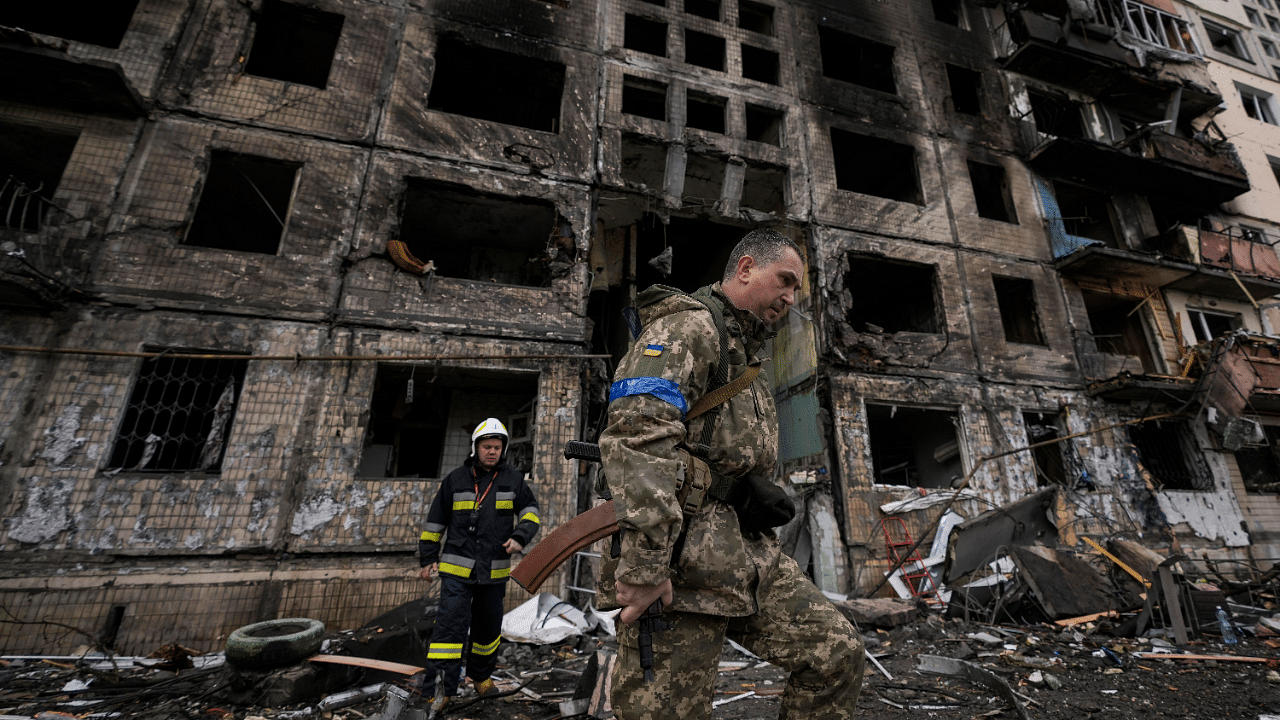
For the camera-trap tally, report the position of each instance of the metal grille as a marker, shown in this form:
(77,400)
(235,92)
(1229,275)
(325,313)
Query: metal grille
(1168,452)
(179,414)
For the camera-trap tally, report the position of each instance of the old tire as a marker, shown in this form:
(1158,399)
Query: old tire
(274,643)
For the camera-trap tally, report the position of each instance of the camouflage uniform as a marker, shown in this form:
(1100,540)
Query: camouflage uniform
(726,582)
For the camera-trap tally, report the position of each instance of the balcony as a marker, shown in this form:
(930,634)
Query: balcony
(39,71)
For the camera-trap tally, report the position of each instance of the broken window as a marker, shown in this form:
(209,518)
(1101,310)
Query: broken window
(703,50)
(1042,430)
(755,16)
(759,64)
(478,236)
(421,418)
(856,60)
(244,204)
(32,160)
(896,176)
(991,192)
(1225,40)
(912,287)
(1086,213)
(1207,324)
(764,124)
(950,12)
(915,447)
(1016,298)
(1168,450)
(95,23)
(1260,463)
(643,162)
(764,189)
(705,112)
(709,9)
(1258,105)
(703,180)
(644,35)
(966,89)
(179,414)
(699,250)
(293,43)
(1117,328)
(518,90)
(646,98)
(1056,116)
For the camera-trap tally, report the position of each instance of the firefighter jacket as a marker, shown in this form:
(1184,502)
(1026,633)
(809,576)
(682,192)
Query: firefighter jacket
(471,517)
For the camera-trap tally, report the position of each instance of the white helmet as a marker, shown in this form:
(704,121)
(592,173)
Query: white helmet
(490,428)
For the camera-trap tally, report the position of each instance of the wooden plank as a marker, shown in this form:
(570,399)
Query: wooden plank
(1117,561)
(1227,658)
(369,663)
(1070,622)
(1173,604)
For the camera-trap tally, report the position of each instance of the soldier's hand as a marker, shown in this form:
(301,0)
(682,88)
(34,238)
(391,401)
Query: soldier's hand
(635,599)
(428,572)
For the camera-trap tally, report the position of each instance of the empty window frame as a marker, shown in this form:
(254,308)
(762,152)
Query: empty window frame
(1260,464)
(477,236)
(759,64)
(32,160)
(1056,116)
(950,12)
(518,90)
(1225,40)
(856,60)
(914,447)
(1275,169)
(1019,312)
(293,43)
(1254,16)
(709,9)
(764,124)
(1117,327)
(1258,105)
(705,112)
(1207,324)
(891,296)
(644,35)
(1168,450)
(764,189)
(1048,458)
(244,204)
(896,176)
(1269,49)
(966,89)
(991,192)
(179,414)
(645,98)
(1273,24)
(755,16)
(643,162)
(96,23)
(704,50)
(1086,213)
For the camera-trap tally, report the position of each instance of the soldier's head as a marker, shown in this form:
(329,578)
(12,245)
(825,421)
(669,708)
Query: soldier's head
(488,442)
(763,273)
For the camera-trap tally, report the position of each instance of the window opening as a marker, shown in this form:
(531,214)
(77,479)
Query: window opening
(1207,325)
(756,17)
(1055,116)
(518,90)
(478,236)
(1016,298)
(1257,105)
(705,112)
(896,177)
(1254,16)
(645,98)
(912,287)
(645,35)
(709,9)
(991,192)
(700,249)
(1269,48)
(96,23)
(294,43)
(704,50)
(1117,327)
(1169,452)
(179,414)
(1226,40)
(1273,24)
(914,447)
(759,64)
(856,60)
(32,160)
(764,124)
(1275,170)
(703,180)
(643,162)
(1260,464)
(950,12)
(1047,459)
(244,204)
(764,189)
(966,89)
(1086,213)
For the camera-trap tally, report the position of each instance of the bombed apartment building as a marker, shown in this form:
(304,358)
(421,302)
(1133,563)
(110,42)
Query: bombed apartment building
(266,264)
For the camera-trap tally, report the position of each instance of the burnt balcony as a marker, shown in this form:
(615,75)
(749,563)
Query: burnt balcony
(39,71)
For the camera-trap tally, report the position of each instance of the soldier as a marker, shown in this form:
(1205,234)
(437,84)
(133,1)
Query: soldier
(716,564)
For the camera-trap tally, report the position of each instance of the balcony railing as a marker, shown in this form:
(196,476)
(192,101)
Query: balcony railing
(1239,250)
(1149,25)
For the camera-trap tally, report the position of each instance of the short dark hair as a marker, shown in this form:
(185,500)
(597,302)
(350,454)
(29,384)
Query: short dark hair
(765,246)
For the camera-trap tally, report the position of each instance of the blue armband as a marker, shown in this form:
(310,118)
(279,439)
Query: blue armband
(657,387)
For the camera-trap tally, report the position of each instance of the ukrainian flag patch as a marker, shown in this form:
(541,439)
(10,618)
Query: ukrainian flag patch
(653,350)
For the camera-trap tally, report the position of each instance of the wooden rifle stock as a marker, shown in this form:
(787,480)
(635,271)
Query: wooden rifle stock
(595,524)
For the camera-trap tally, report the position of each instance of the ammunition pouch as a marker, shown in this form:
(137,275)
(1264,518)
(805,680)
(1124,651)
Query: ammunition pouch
(759,503)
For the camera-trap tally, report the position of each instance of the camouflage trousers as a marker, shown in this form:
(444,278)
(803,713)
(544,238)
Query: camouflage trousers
(795,628)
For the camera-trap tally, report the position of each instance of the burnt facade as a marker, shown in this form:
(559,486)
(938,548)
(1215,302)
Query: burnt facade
(266,264)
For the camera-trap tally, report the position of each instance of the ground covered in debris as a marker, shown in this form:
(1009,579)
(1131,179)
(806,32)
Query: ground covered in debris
(1054,673)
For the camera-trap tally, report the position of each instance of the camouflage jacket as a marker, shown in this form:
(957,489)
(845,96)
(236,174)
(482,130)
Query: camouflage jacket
(667,369)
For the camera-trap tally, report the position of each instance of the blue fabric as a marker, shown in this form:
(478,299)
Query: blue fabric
(657,387)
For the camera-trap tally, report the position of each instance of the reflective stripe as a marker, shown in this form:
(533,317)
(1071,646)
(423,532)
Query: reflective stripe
(455,570)
(464,504)
(501,563)
(444,651)
(505,504)
(486,649)
(435,527)
(662,389)
(499,573)
(458,560)
(530,513)
(504,496)
(430,536)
